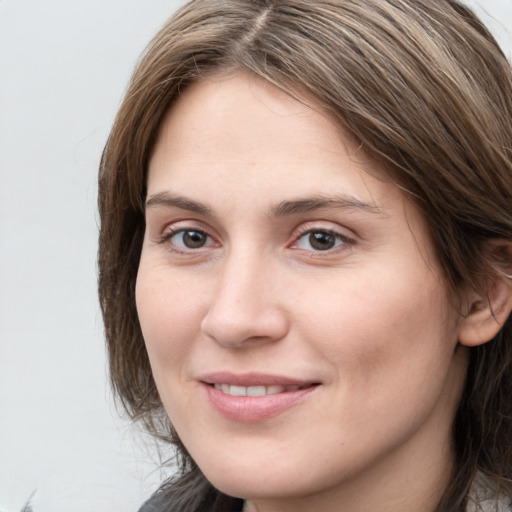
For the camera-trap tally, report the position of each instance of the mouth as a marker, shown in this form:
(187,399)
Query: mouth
(233,390)
(255,397)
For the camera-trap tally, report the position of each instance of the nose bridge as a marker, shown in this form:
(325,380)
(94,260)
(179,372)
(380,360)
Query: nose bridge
(245,306)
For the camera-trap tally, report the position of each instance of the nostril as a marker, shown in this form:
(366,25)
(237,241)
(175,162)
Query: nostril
(240,328)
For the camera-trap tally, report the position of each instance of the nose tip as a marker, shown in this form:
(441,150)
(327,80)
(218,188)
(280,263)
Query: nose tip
(234,331)
(244,312)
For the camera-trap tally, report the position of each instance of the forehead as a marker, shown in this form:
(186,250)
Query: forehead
(226,122)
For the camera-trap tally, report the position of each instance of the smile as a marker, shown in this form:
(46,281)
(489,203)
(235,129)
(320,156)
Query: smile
(255,390)
(254,397)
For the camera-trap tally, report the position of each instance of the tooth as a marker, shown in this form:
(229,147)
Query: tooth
(218,386)
(225,388)
(292,388)
(238,390)
(256,391)
(274,390)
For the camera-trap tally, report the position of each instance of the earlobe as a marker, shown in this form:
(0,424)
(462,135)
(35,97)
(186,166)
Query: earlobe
(488,314)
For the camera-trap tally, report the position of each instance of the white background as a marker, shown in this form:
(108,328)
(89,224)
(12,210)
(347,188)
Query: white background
(63,69)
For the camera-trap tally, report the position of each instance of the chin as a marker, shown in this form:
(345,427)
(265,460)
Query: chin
(251,486)
(267,476)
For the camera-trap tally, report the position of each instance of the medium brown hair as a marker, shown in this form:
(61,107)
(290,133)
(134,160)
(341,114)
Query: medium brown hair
(423,87)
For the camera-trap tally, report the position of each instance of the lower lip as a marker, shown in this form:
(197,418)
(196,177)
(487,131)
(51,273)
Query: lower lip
(255,408)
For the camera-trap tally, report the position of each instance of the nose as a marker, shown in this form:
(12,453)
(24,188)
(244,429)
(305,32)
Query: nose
(245,307)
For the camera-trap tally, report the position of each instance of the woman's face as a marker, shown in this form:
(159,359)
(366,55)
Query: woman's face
(298,326)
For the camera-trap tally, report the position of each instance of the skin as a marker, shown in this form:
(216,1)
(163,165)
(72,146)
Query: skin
(369,319)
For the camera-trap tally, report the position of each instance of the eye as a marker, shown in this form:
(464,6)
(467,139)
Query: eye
(321,240)
(188,239)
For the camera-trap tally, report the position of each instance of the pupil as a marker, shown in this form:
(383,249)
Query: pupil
(322,241)
(193,239)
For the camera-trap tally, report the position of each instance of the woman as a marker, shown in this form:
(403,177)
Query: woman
(306,256)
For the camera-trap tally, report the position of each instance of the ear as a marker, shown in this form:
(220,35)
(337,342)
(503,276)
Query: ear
(488,313)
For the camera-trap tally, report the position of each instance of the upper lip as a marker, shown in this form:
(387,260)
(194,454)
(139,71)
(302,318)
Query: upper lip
(253,379)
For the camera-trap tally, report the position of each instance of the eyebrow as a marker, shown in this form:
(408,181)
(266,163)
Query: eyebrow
(285,208)
(169,200)
(309,204)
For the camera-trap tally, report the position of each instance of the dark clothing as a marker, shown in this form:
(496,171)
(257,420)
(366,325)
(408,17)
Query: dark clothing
(160,502)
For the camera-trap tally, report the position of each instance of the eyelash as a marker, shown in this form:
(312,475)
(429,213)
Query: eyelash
(341,240)
(167,236)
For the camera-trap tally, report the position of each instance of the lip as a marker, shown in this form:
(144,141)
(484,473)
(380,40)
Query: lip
(255,408)
(253,379)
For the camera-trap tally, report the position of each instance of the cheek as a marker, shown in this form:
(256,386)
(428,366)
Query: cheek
(390,345)
(169,317)
(383,326)
(170,314)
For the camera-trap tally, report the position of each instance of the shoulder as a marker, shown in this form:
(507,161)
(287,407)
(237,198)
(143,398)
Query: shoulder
(164,502)
(483,497)
(490,505)
(157,503)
